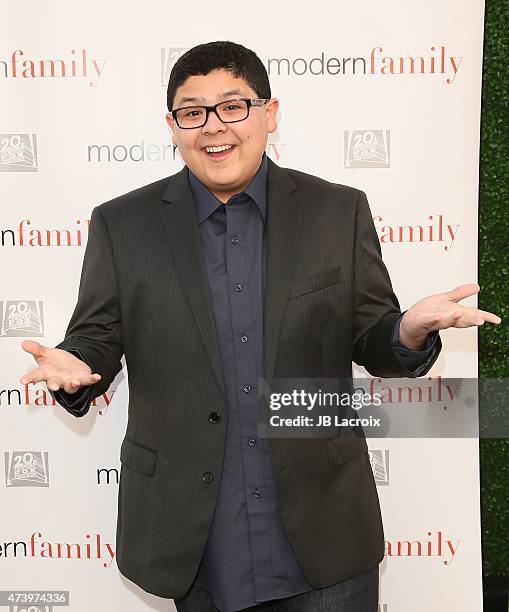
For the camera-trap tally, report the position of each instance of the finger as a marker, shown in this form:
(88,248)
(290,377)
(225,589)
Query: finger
(469,319)
(463,291)
(89,379)
(438,321)
(474,316)
(72,386)
(489,317)
(35,376)
(54,383)
(34,348)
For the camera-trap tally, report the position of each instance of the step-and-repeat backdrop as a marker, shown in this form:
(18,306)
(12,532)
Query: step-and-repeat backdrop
(381,96)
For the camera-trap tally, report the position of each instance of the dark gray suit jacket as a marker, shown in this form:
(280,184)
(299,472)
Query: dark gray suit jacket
(328,301)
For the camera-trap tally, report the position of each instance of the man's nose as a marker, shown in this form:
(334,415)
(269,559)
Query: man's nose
(213,124)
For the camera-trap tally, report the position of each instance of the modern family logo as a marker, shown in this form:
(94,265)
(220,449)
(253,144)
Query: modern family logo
(26,235)
(144,152)
(77,64)
(428,391)
(434,545)
(435,61)
(92,547)
(136,152)
(37,395)
(108,476)
(379,61)
(433,229)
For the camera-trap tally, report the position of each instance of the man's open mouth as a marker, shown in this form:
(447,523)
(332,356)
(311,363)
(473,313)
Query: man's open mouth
(219,152)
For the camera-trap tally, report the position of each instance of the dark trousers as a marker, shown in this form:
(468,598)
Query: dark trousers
(359,594)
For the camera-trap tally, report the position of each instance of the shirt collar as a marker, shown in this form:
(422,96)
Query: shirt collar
(207,203)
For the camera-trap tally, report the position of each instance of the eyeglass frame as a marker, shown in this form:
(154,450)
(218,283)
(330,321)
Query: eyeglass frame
(213,109)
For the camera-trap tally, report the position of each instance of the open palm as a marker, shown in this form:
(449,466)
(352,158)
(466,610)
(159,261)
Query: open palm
(441,311)
(57,368)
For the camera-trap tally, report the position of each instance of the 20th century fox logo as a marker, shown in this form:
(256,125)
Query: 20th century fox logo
(379,460)
(18,153)
(169,55)
(26,469)
(367,148)
(21,318)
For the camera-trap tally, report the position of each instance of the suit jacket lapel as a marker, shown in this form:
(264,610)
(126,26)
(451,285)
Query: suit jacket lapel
(284,219)
(181,226)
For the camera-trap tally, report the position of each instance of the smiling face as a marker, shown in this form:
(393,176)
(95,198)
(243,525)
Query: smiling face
(229,171)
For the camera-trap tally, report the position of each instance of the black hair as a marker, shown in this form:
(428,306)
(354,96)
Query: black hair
(219,55)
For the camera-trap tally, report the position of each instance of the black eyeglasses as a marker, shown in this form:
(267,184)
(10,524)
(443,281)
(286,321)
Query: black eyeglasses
(230,111)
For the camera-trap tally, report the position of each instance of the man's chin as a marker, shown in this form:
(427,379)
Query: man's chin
(223,182)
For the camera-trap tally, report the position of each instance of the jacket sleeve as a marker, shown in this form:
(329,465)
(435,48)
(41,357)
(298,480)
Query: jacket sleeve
(94,333)
(376,308)
(410,358)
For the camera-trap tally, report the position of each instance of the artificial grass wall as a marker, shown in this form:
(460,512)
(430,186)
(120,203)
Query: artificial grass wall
(494,278)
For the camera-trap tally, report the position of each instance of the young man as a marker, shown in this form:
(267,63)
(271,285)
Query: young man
(232,271)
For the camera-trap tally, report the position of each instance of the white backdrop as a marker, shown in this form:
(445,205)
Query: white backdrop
(87,124)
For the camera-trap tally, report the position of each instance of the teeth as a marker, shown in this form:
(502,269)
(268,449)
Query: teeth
(218,149)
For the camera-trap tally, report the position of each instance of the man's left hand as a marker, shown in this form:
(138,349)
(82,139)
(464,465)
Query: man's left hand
(441,311)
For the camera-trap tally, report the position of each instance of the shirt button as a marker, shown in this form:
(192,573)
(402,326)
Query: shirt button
(214,417)
(257,493)
(251,441)
(238,287)
(207,477)
(235,239)
(244,338)
(246,388)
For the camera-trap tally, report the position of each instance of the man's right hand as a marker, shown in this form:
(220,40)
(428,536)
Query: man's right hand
(57,368)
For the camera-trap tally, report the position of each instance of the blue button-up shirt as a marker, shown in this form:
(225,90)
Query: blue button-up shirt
(248,558)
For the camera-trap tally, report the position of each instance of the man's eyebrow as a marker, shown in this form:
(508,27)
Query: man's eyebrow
(226,94)
(232,92)
(190,99)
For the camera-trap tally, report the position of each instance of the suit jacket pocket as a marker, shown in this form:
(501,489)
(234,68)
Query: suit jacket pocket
(314,283)
(345,448)
(138,458)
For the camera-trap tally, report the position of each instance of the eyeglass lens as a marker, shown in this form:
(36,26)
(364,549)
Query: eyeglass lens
(228,112)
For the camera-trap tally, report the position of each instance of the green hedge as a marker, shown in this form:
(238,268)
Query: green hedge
(494,277)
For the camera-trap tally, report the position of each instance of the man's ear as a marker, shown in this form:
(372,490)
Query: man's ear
(271,110)
(171,124)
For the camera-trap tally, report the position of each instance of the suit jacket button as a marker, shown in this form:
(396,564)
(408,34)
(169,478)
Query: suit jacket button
(214,417)
(207,477)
